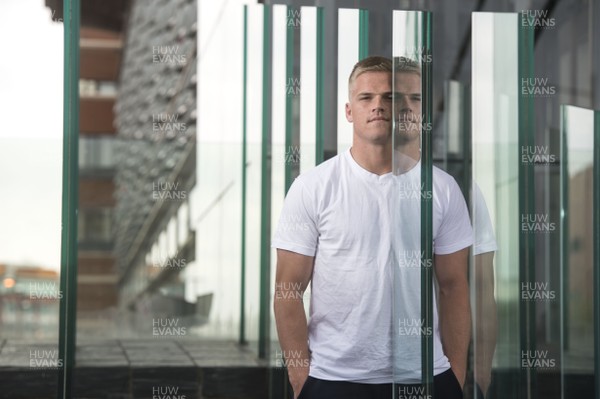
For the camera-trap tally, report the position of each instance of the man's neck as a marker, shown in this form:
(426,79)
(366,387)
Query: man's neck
(376,159)
(410,155)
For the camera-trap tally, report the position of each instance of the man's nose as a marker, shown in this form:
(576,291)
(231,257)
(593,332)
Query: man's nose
(378,104)
(403,105)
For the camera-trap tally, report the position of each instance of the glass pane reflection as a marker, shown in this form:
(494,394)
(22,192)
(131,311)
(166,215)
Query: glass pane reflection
(31,162)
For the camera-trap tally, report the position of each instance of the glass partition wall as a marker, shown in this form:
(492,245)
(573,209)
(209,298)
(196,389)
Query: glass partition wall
(33,158)
(525,304)
(579,238)
(495,141)
(414,307)
(171,233)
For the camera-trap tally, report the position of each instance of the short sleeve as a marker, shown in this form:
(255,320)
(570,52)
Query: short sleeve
(455,232)
(297,228)
(484,239)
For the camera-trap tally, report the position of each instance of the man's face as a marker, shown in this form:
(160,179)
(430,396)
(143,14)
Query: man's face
(370,107)
(408,106)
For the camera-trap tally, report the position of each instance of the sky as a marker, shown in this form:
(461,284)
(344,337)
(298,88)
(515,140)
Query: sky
(31,77)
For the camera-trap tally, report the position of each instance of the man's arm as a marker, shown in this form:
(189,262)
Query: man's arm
(486,321)
(454,309)
(294,272)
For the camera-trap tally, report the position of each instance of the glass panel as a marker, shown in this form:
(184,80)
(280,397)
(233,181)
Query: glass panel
(578,274)
(308,78)
(31,166)
(284,90)
(348,46)
(495,172)
(142,292)
(416,350)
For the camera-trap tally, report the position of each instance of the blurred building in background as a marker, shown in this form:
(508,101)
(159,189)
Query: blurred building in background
(101,46)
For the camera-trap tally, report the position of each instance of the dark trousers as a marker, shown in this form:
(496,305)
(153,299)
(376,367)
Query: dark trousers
(446,386)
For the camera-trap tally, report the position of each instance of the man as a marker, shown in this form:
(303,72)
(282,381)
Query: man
(351,227)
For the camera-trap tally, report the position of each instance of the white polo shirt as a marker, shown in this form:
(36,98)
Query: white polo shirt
(364,231)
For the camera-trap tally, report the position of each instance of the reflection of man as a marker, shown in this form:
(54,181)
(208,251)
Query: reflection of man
(486,322)
(340,240)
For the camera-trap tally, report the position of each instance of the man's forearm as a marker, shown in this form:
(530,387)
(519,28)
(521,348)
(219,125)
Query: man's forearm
(486,322)
(293,339)
(455,326)
(485,342)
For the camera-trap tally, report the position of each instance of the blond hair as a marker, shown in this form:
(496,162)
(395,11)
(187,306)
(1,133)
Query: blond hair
(376,63)
(407,65)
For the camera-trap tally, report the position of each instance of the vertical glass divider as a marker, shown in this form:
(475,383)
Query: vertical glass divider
(320,104)
(526,206)
(70,187)
(467,145)
(596,241)
(265,212)
(564,239)
(363,34)
(426,209)
(242,339)
(289,76)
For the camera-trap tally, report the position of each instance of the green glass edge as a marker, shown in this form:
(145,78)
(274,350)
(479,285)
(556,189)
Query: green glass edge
(426,208)
(289,74)
(564,237)
(70,186)
(319,101)
(596,238)
(527,331)
(265,211)
(363,34)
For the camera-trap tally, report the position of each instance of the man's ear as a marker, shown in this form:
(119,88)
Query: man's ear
(348,113)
